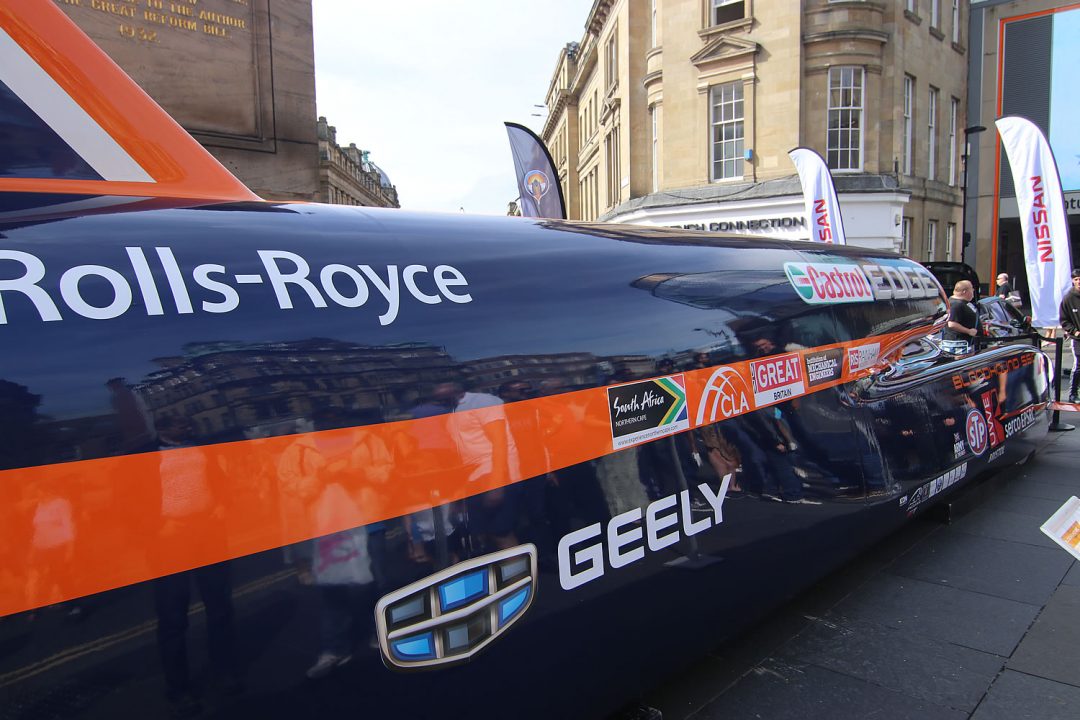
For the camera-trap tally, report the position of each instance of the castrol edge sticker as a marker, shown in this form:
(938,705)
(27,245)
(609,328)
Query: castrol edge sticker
(824,283)
(829,283)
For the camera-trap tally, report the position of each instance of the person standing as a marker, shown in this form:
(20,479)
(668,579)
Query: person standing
(1069,317)
(963,319)
(1006,291)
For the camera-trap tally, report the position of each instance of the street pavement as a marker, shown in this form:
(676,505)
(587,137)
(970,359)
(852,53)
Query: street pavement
(971,612)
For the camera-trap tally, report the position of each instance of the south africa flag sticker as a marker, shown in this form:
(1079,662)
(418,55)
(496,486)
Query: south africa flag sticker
(648,409)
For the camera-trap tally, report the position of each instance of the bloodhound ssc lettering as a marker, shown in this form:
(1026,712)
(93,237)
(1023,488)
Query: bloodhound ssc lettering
(210,287)
(976,376)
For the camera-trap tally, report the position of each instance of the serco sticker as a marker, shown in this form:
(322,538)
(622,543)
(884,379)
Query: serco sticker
(1020,423)
(829,283)
(777,378)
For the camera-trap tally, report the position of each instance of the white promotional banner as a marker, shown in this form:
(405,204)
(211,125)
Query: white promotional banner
(819,195)
(1042,217)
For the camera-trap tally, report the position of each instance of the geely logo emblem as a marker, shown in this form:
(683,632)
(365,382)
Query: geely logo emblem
(453,614)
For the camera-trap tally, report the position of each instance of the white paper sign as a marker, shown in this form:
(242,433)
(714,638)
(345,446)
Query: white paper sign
(1064,526)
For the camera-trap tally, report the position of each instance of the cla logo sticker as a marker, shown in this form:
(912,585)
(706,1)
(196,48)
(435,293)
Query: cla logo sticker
(977,432)
(537,184)
(724,397)
(829,283)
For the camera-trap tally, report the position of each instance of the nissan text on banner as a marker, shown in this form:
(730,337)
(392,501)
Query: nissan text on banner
(1042,216)
(819,194)
(538,184)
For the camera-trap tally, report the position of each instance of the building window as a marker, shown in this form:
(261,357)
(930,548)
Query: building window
(931,239)
(931,139)
(935,13)
(950,241)
(910,6)
(725,11)
(954,113)
(845,118)
(727,130)
(652,25)
(909,98)
(655,149)
(612,56)
(956,21)
(614,167)
(905,236)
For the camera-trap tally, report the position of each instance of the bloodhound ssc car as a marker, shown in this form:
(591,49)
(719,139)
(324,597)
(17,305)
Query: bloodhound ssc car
(295,460)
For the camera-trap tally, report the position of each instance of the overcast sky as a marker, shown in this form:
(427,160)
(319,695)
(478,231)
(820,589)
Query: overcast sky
(426,85)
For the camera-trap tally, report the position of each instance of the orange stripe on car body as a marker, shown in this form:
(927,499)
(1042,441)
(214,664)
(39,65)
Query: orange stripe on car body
(268,491)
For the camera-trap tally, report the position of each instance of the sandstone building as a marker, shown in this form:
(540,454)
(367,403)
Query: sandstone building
(348,177)
(681,113)
(239,75)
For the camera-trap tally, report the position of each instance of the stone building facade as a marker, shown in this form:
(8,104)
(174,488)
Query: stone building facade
(348,177)
(682,112)
(239,75)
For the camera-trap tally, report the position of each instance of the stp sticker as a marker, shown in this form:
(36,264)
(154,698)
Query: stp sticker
(976,431)
(777,378)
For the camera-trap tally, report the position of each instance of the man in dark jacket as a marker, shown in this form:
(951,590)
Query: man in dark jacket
(963,319)
(1069,317)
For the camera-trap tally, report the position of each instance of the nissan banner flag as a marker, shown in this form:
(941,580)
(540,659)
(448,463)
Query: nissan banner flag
(819,195)
(1042,217)
(538,184)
